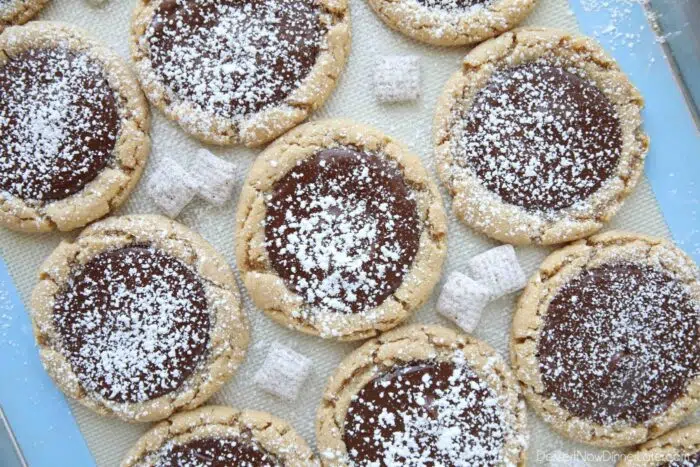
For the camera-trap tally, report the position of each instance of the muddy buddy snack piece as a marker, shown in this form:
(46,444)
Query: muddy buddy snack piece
(422,395)
(340,231)
(539,137)
(397,78)
(19,11)
(677,448)
(283,372)
(74,128)
(170,187)
(239,71)
(217,436)
(212,177)
(498,270)
(462,300)
(606,339)
(452,22)
(138,318)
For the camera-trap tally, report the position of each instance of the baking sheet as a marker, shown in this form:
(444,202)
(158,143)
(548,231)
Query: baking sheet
(411,123)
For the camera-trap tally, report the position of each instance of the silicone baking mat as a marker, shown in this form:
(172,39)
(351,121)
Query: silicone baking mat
(647,211)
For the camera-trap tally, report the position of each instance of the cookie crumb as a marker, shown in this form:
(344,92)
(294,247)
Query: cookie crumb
(462,300)
(212,177)
(397,78)
(283,372)
(497,270)
(169,188)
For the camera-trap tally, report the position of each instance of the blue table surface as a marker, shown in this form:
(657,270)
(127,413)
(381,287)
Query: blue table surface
(38,413)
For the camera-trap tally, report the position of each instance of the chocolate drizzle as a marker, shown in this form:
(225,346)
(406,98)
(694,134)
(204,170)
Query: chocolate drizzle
(425,413)
(620,343)
(342,229)
(59,122)
(234,57)
(133,323)
(540,136)
(216,452)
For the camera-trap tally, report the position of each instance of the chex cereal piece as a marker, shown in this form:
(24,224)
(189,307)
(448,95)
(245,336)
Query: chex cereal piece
(498,270)
(283,372)
(169,187)
(212,177)
(462,300)
(397,78)
(562,459)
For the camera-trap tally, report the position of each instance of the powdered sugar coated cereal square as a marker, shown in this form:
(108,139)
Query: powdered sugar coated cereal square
(169,187)
(283,372)
(498,270)
(463,300)
(212,177)
(397,78)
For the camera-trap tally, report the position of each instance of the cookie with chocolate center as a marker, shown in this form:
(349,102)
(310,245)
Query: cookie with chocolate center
(341,233)
(539,137)
(606,339)
(239,71)
(422,395)
(138,318)
(75,128)
(217,436)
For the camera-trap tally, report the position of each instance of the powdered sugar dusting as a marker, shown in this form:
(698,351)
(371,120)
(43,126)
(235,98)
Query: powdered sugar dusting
(620,343)
(342,229)
(232,58)
(133,323)
(460,19)
(215,452)
(59,121)
(454,5)
(427,413)
(396,78)
(541,136)
(689,460)
(621,30)
(447,13)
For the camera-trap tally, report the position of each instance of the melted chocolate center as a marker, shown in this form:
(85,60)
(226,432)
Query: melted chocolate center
(217,452)
(234,57)
(620,343)
(342,229)
(425,413)
(134,323)
(540,137)
(692,460)
(59,123)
